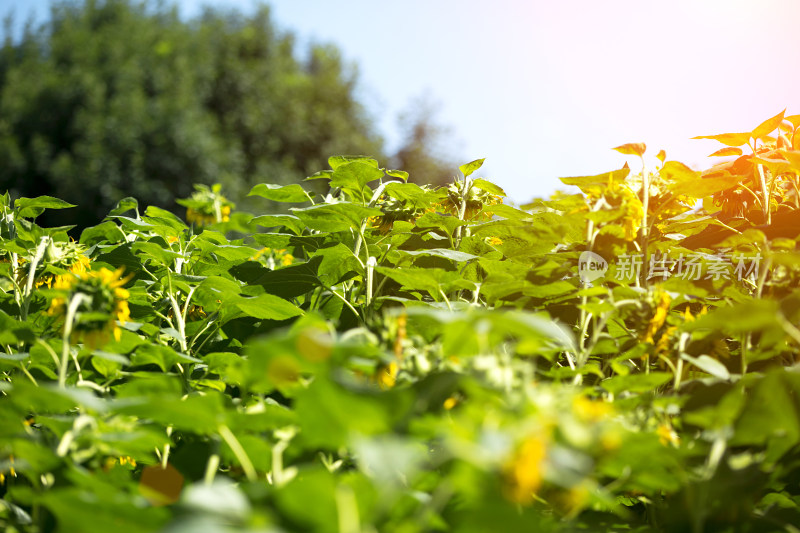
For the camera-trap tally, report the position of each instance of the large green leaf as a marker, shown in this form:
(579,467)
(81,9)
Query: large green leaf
(337,161)
(281,193)
(472,166)
(32,207)
(162,356)
(634,383)
(583,182)
(684,181)
(288,282)
(343,216)
(355,175)
(768,126)
(632,149)
(432,280)
(728,139)
(267,307)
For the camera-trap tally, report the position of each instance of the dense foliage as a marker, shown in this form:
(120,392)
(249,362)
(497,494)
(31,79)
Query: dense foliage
(115,98)
(391,357)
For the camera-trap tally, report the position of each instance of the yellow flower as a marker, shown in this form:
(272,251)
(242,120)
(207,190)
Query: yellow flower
(494,241)
(102,293)
(259,253)
(11,471)
(287,259)
(386,376)
(450,402)
(591,410)
(667,435)
(523,472)
(80,266)
(662,347)
(660,315)
(198,218)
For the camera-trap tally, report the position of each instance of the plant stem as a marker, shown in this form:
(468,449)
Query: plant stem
(236,447)
(69,320)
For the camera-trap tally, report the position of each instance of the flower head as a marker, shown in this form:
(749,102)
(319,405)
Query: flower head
(103,303)
(523,471)
(66,257)
(207,206)
(659,316)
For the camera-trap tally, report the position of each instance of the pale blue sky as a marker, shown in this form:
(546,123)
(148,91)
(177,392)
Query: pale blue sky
(544,89)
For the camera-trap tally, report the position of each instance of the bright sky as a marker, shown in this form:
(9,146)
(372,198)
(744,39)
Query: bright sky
(544,89)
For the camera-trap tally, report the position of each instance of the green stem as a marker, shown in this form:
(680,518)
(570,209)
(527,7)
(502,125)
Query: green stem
(69,320)
(467,185)
(211,469)
(764,191)
(645,222)
(236,447)
(26,295)
(347,509)
(449,307)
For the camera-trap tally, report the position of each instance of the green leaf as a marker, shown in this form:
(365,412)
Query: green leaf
(343,216)
(106,231)
(472,166)
(684,181)
(162,356)
(728,150)
(337,161)
(355,176)
(101,510)
(152,250)
(768,126)
(770,414)
(632,149)
(488,186)
(709,365)
(446,223)
(442,252)
(749,316)
(12,330)
(321,175)
(338,264)
(194,413)
(635,383)
(124,205)
(290,222)
(728,139)
(616,176)
(289,282)
(33,207)
(162,217)
(280,193)
(329,415)
(431,280)
(400,174)
(411,193)
(267,307)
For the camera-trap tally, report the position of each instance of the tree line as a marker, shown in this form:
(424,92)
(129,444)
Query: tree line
(116,98)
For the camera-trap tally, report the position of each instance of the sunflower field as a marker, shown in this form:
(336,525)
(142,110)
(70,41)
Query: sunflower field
(390,357)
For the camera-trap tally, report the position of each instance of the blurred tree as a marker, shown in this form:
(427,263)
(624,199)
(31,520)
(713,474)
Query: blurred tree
(115,98)
(422,153)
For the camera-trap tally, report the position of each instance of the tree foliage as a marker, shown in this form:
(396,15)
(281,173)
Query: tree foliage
(115,98)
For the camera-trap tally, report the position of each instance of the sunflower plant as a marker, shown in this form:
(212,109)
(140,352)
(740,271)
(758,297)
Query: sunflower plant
(619,357)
